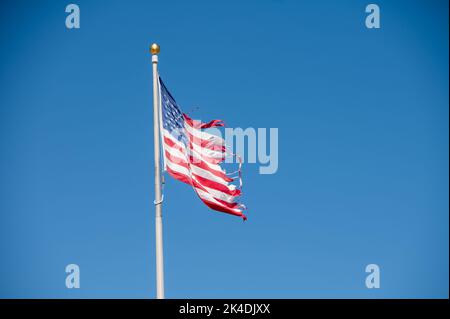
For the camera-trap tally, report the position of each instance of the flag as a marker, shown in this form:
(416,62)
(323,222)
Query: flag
(192,156)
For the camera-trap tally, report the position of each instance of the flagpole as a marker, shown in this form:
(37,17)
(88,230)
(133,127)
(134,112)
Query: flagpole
(154,50)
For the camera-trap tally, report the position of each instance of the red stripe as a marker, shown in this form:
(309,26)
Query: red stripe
(198,124)
(172,144)
(223,206)
(230,205)
(216,186)
(179,176)
(223,209)
(176,160)
(227,204)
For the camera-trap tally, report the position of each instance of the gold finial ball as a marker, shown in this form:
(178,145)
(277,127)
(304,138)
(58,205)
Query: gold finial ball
(154,48)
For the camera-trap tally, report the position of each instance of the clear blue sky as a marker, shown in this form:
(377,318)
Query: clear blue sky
(363,154)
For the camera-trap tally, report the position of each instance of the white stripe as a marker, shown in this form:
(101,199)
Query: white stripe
(206,196)
(175,152)
(208,175)
(178,168)
(218,194)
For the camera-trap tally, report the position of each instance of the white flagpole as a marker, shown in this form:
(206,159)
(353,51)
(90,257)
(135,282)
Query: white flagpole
(154,50)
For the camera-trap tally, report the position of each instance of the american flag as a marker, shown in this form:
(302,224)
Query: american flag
(193,157)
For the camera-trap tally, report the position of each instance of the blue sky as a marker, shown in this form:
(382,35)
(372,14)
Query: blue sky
(363,148)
